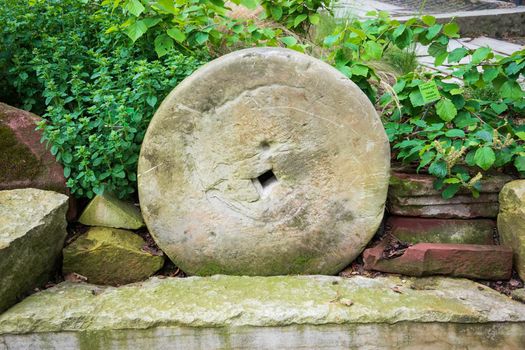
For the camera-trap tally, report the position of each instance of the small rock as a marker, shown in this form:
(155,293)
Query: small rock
(25,162)
(431,230)
(511,221)
(488,262)
(110,256)
(32,233)
(519,295)
(110,211)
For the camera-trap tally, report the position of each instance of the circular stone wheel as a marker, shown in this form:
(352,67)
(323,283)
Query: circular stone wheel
(264,162)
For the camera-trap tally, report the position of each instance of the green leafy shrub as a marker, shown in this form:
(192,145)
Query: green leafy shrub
(98,90)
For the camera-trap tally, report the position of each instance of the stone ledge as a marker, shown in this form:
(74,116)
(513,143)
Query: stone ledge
(266,312)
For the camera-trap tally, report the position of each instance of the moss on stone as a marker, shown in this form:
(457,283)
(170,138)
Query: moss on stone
(18,162)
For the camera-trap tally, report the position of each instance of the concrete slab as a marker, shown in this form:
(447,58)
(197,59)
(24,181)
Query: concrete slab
(284,312)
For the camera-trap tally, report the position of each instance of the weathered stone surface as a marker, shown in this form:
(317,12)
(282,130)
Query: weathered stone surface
(110,256)
(421,230)
(415,185)
(488,262)
(511,221)
(263,162)
(109,211)
(25,162)
(519,295)
(32,233)
(285,312)
(414,195)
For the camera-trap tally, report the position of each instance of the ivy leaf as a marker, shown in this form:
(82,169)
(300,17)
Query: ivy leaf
(136,30)
(299,19)
(446,110)
(176,34)
(163,44)
(277,12)
(498,107)
(480,54)
(438,169)
(457,54)
(135,7)
(451,30)
(484,157)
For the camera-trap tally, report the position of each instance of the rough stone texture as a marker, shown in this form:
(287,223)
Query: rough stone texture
(110,256)
(420,230)
(205,189)
(414,195)
(25,162)
(32,233)
(285,312)
(519,295)
(488,262)
(511,221)
(109,211)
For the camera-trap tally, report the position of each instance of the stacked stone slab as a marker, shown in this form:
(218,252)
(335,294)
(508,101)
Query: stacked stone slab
(106,253)
(511,221)
(264,162)
(32,233)
(451,236)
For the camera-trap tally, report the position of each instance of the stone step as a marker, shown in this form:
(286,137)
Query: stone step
(422,230)
(489,262)
(283,312)
(414,195)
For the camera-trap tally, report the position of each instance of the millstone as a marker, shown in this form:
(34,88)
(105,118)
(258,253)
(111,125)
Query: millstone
(264,162)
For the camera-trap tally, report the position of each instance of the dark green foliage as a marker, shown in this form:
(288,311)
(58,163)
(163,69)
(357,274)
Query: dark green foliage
(96,91)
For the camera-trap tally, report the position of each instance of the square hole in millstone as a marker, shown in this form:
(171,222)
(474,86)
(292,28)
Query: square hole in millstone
(264,181)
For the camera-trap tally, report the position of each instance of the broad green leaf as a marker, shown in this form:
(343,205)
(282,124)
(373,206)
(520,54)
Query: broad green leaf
(429,20)
(67,171)
(151,22)
(451,30)
(480,55)
(433,31)
(152,100)
(521,135)
(435,49)
(457,54)
(163,44)
(314,19)
(277,12)
(484,157)
(373,50)
(519,163)
(438,168)
(359,69)
(398,31)
(498,107)
(451,190)
(330,39)
(455,133)
(136,30)
(135,7)
(201,38)
(289,40)
(67,157)
(416,98)
(490,73)
(251,4)
(446,110)
(176,34)
(299,19)
(511,89)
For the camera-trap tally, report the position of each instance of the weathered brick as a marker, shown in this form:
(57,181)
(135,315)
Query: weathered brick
(488,262)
